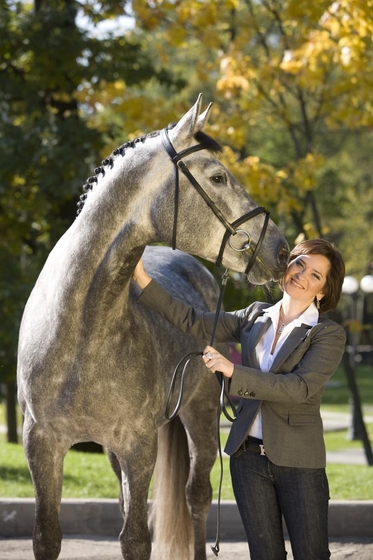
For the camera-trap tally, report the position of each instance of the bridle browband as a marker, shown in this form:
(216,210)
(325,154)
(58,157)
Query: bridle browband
(231,228)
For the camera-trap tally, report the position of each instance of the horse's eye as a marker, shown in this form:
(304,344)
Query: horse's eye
(218,179)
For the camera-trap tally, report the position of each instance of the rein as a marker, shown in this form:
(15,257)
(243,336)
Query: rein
(231,230)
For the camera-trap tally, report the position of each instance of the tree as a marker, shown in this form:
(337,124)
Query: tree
(48,136)
(292,81)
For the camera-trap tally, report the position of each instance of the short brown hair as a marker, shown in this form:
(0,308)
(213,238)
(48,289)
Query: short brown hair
(336,273)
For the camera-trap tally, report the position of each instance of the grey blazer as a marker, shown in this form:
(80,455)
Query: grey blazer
(289,395)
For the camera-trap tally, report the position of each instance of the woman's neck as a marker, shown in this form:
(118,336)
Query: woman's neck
(291,310)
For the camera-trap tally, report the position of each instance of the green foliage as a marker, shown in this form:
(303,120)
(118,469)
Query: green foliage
(14,289)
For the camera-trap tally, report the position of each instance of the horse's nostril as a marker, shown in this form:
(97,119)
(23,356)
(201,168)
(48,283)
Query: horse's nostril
(283,254)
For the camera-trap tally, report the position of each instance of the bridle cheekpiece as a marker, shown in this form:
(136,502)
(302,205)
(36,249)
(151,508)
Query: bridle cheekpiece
(231,228)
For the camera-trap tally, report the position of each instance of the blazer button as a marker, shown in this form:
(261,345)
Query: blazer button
(246,393)
(240,392)
(252,394)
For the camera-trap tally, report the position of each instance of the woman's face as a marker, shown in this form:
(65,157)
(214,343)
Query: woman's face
(305,277)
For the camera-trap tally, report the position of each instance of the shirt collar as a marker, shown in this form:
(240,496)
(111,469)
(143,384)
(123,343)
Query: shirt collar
(309,317)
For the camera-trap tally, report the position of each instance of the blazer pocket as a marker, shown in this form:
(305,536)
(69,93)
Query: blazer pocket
(304,420)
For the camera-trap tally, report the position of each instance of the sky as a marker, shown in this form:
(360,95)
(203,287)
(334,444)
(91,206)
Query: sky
(116,26)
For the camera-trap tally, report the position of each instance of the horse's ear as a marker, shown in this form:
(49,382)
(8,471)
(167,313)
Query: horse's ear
(203,118)
(192,121)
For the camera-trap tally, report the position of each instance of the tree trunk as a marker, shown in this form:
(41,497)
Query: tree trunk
(11,416)
(359,419)
(310,199)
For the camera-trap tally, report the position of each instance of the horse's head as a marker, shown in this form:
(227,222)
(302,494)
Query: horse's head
(214,217)
(170,187)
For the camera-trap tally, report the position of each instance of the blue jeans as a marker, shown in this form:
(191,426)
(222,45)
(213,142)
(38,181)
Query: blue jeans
(264,492)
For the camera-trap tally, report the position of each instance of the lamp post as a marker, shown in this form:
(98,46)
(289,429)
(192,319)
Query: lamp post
(354,323)
(355,316)
(366,284)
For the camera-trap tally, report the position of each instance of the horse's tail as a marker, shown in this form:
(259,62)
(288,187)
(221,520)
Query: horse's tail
(170,517)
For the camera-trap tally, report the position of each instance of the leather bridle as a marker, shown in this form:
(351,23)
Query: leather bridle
(231,228)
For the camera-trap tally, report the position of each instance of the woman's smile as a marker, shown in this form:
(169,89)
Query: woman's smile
(296,283)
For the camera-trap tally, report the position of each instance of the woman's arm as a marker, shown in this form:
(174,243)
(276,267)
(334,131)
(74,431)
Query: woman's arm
(300,376)
(306,375)
(185,317)
(140,276)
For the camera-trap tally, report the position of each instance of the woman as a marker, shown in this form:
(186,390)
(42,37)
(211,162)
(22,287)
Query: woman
(289,351)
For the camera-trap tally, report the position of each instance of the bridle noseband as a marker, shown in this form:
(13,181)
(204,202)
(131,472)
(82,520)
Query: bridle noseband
(231,228)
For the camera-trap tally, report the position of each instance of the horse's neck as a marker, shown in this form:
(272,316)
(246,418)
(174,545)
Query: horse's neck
(100,250)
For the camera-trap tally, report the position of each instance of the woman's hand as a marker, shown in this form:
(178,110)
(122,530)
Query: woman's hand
(140,276)
(217,362)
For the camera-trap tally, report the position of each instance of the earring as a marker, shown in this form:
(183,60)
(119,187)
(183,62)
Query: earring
(317,304)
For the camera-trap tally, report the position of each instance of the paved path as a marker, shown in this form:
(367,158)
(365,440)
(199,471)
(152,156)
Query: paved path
(98,548)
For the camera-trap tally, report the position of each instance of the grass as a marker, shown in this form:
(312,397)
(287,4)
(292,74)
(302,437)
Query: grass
(86,475)
(90,475)
(350,482)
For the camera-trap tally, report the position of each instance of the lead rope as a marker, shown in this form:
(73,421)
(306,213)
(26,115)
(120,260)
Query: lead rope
(221,407)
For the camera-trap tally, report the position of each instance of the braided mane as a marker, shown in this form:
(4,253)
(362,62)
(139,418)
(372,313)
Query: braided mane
(202,138)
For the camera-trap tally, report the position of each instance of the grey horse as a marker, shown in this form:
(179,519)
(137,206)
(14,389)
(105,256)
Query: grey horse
(94,365)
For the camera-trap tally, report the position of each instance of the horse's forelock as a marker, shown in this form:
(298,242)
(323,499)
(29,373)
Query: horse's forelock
(207,142)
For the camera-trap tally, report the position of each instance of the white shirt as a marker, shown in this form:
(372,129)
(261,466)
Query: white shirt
(263,350)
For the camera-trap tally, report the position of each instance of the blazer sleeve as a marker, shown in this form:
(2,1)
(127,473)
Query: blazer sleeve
(302,374)
(188,319)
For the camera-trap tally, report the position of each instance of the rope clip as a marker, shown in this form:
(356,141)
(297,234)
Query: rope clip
(224,278)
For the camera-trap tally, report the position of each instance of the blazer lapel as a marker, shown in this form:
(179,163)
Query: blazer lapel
(292,341)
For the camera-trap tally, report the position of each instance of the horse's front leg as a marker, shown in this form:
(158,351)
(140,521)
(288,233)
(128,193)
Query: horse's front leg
(137,466)
(45,459)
